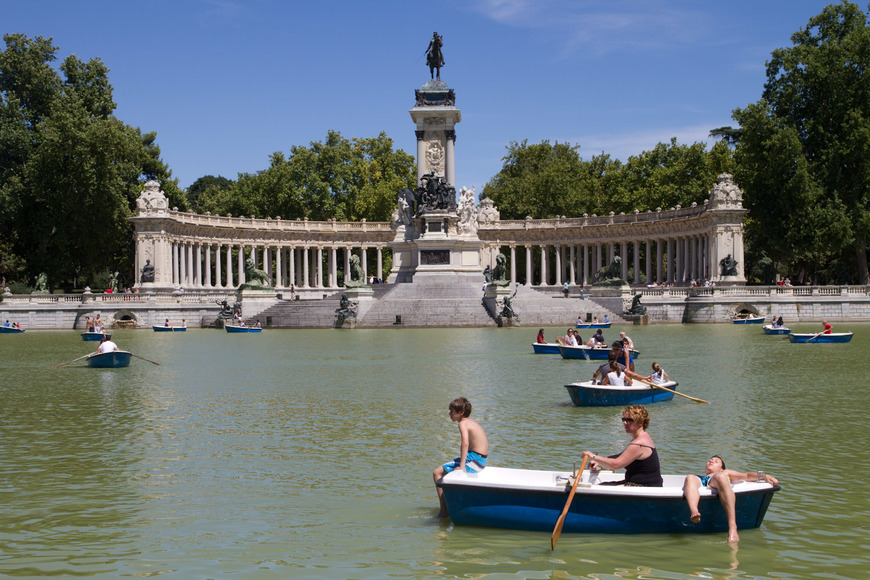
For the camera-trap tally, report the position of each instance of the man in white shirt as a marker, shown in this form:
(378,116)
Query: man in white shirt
(106,344)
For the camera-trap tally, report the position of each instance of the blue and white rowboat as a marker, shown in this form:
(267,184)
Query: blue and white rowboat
(10,330)
(232,328)
(524,499)
(768,329)
(594,325)
(585,394)
(590,353)
(545,347)
(91,336)
(747,319)
(109,360)
(833,337)
(164,328)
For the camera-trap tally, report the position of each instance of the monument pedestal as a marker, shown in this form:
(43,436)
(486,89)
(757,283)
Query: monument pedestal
(431,247)
(254,302)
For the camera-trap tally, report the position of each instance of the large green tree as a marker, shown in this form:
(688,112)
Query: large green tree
(70,171)
(340,178)
(804,149)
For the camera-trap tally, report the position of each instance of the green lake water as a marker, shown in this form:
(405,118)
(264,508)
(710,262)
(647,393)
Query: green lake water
(308,453)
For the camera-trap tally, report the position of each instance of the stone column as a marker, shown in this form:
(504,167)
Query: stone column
(421,167)
(637,262)
(267,262)
(347,254)
(585,265)
(545,278)
(648,259)
(305,277)
(623,253)
(279,267)
(175,265)
(659,261)
(217,267)
(365,264)
(198,271)
(449,159)
(598,265)
(380,261)
(529,280)
(319,268)
(572,265)
(184,263)
(230,282)
(240,263)
(670,252)
(513,264)
(208,283)
(557,253)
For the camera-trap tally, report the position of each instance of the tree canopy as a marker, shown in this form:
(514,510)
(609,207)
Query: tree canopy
(338,178)
(802,153)
(69,170)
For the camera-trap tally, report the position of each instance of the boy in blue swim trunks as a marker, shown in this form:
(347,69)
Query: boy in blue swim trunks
(719,478)
(473,447)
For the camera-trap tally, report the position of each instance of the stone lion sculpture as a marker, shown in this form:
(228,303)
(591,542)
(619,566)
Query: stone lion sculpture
(610,274)
(499,273)
(255,279)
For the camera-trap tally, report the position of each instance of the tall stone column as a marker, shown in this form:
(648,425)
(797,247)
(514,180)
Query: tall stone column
(230,282)
(513,264)
(365,263)
(279,267)
(623,253)
(208,266)
(319,268)
(585,265)
(557,256)
(659,262)
(217,267)
(545,276)
(198,270)
(347,254)
(529,280)
(240,263)
(176,270)
(380,262)
(306,279)
(648,260)
(670,252)
(435,116)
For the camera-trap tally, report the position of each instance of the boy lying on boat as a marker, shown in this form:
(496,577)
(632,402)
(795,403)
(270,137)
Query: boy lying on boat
(473,447)
(721,480)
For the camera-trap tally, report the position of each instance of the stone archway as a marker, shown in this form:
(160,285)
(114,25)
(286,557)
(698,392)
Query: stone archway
(126,319)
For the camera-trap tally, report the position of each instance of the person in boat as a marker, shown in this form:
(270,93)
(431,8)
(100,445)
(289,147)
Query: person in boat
(473,447)
(570,339)
(599,337)
(626,339)
(616,377)
(828,327)
(540,339)
(594,320)
(7,324)
(257,325)
(89,324)
(606,319)
(166,324)
(98,324)
(721,479)
(183,323)
(106,344)
(658,376)
(640,458)
(242,322)
(779,322)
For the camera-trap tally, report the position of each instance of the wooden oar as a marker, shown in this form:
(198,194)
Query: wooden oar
(72,361)
(145,359)
(646,382)
(816,336)
(561,521)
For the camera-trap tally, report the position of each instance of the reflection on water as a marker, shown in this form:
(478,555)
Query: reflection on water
(308,454)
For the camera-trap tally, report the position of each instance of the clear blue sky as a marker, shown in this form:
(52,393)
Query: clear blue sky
(225,83)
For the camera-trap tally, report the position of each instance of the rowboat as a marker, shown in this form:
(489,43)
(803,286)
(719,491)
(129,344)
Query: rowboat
(10,330)
(747,319)
(590,353)
(545,347)
(585,394)
(833,337)
(525,499)
(232,328)
(109,360)
(163,328)
(769,329)
(594,325)
(90,335)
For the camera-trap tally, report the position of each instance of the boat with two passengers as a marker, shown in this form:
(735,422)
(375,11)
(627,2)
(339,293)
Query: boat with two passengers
(770,329)
(747,318)
(590,353)
(594,325)
(116,359)
(545,347)
(527,499)
(235,328)
(164,328)
(588,394)
(820,338)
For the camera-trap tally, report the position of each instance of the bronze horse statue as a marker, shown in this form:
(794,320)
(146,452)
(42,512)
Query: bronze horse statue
(434,56)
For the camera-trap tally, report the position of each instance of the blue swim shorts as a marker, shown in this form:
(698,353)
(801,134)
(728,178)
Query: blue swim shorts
(474,462)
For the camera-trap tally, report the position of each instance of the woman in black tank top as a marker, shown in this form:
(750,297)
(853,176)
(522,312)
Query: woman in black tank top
(640,458)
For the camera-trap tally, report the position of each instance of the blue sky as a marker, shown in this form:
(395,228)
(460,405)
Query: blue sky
(225,83)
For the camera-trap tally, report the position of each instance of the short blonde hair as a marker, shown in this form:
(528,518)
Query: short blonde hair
(638,414)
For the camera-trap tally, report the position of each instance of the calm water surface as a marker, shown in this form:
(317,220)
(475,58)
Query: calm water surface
(308,454)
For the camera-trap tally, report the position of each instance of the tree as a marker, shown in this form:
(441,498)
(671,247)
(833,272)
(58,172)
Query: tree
(339,178)
(203,183)
(817,96)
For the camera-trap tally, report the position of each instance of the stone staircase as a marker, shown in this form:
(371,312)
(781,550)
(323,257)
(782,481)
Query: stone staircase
(441,302)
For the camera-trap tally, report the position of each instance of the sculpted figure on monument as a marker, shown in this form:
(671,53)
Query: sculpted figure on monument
(346,310)
(467,212)
(499,273)
(636,306)
(729,266)
(41,284)
(113,282)
(147,272)
(355,278)
(255,279)
(487,214)
(434,193)
(434,56)
(609,275)
(507,311)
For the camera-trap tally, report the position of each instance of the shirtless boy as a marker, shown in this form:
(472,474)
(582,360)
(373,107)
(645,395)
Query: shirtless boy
(473,447)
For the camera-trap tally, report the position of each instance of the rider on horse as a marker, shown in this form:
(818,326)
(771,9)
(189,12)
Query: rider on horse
(434,57)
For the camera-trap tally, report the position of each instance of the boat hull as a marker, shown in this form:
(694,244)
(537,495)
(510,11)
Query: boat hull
(595,325)
(533,500)
(158,328)
(110,360)
(768,329)
(586,394)
(10,330)
(242,329)
(756,320)
(545,348)
(834,337)
(589,353)
(92,336)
